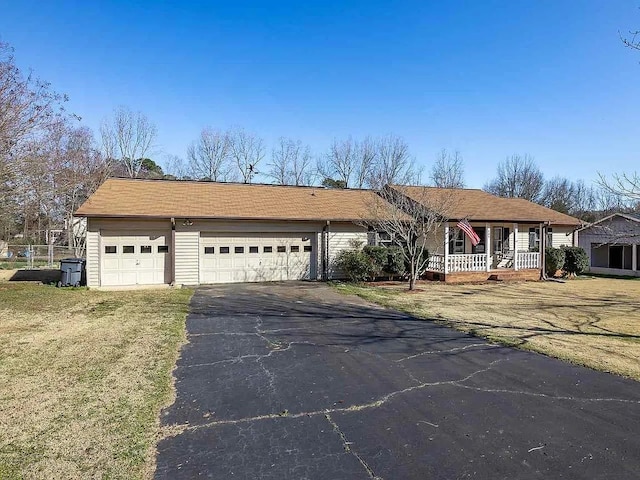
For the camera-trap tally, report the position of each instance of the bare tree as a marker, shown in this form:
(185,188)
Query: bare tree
(412,220)
(291,163)
(128,138)
(27,105)
(392,164)
(339,164)
(448,170)
(625,186)
(371,162)
(210,156)
(366,157)
(517,177)
(174,167)
(632,40)
(247,151)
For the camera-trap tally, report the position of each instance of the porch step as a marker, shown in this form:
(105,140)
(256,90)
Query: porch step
(510,276)
(507,261)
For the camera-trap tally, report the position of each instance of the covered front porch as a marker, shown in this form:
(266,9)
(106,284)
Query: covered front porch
(504,251)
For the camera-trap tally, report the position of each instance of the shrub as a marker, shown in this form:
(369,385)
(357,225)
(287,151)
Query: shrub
(395,262)
(355,264)
(576,260)
(554,260)
(378,256)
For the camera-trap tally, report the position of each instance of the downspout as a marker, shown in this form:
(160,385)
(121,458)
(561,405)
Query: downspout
(172,251)
(325,251)
(543,248)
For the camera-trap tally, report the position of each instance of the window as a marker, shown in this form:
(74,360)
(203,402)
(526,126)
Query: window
(253,249)
(224,249)
(128,249)
(549,237)
(534,239)
(209,250)
(163,248)
(456,242)
(238,249)
(282,249)
(110,249)
(307,248)
(295,248)
(480,247)
(267,249)
(145,249)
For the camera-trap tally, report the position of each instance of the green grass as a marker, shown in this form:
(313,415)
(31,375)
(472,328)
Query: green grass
(83,376)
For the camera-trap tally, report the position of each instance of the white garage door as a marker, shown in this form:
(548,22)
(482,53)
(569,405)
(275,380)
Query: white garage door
(141,259)
(255,257)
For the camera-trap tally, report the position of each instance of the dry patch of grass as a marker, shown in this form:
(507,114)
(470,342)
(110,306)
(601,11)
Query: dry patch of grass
(83,375)
(593,322)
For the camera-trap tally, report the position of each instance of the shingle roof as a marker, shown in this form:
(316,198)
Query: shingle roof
(191,199)
(482,206)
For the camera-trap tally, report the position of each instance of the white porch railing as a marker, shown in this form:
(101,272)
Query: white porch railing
(468,262)
(435,263)
(526,260)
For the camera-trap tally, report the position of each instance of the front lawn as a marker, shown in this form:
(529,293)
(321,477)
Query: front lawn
(593,322)
(83,375)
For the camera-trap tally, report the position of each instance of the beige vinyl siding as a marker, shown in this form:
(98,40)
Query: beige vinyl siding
(561,236)
(93,254)
(342,237)
(187,259)
(523,235)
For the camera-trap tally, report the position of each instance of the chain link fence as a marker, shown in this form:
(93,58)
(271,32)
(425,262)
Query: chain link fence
(33,256)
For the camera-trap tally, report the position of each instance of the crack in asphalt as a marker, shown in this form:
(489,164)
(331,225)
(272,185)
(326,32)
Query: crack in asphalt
(353,408)
(546,395)
(347,448)
(456,349)
(174,430)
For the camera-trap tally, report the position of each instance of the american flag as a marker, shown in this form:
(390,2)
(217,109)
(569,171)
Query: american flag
(466,227)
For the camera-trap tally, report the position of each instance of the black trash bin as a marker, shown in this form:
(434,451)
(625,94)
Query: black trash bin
(72,272)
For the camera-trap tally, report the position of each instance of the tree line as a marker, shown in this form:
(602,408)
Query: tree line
(50,163)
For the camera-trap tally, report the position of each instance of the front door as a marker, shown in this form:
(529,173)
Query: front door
(500,240)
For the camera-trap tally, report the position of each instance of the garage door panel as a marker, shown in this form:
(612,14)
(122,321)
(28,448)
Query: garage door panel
(134,259)
(255,257)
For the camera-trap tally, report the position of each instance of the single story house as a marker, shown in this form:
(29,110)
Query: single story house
(146,232)
(612,244)
(512,232)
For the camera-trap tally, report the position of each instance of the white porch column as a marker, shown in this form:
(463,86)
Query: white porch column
(487,242)
(634,257)
(446,248)
(515,246)
(542,244)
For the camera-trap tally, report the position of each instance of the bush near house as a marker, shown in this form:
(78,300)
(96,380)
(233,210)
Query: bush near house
(554,260)
(371,262)
(356,265)
(576,260)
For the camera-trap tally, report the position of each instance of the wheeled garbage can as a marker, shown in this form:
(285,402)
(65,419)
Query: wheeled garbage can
(72,272)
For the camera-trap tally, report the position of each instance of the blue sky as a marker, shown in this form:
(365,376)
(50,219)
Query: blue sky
(547,78)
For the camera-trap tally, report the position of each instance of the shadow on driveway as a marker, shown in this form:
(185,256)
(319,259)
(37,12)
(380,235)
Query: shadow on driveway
(295,381)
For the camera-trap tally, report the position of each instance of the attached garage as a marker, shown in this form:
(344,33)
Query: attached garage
(255,257)
(135,259)
(151,232)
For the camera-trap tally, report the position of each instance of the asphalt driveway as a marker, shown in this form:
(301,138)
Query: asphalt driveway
(295,381)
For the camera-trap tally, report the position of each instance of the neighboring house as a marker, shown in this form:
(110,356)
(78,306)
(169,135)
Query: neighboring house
(612,244)
(145,232)
(186,232)
(512,233)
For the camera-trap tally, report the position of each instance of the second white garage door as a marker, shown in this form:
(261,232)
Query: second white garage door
(255,257)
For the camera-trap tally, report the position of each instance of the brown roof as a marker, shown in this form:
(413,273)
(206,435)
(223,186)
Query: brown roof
(479,205)
(191,199)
